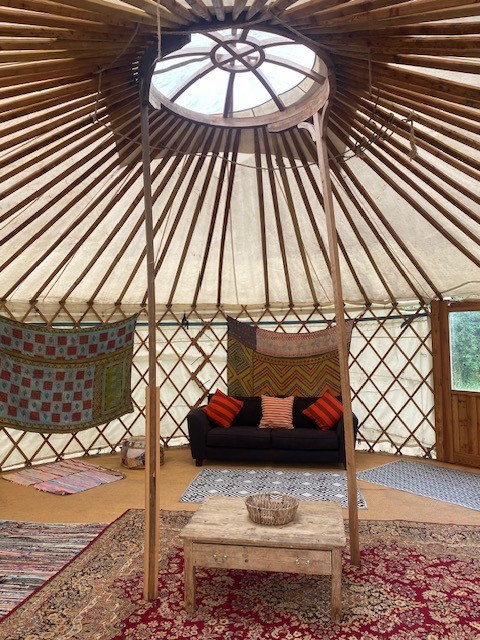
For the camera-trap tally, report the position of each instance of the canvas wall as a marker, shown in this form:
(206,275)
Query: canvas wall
(390,370)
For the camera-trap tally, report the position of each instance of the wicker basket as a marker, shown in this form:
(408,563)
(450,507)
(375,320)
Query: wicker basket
(271,508)
(133,453)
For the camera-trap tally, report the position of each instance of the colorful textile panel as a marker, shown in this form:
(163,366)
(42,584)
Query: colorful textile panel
(64,380)
(263,362)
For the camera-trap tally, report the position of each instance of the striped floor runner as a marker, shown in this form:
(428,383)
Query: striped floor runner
(30,553)
(64,477)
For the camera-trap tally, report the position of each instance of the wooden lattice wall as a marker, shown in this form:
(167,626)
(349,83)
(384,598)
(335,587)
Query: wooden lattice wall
(390,370)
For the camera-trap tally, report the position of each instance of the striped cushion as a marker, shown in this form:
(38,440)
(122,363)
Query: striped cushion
(277,413)
(222,409)
(326,411)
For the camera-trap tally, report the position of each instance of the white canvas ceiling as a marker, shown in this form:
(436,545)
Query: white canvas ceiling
(238,213)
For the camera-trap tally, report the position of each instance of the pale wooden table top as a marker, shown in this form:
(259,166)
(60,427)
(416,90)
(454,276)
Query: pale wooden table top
(317,525)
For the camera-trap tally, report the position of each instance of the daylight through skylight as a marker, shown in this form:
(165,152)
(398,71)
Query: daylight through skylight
(237,77)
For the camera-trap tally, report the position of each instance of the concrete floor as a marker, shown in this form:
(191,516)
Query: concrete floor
(105,503)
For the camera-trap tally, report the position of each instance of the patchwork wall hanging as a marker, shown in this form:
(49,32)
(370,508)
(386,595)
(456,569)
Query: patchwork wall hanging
(64,380)
(261,362)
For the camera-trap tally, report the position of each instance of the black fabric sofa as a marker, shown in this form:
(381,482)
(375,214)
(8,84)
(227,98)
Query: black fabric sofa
(244,441)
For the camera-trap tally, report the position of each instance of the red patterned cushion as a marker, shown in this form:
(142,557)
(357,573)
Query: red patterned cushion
(277,413)
(326,411)
(222,409)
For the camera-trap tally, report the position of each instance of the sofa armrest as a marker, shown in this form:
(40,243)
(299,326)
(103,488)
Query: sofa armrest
(198,427)
(339,428)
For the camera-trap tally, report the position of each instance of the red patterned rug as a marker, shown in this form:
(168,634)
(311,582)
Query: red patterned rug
(416,582)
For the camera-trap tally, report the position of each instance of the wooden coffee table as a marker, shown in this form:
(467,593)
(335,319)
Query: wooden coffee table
(221,535)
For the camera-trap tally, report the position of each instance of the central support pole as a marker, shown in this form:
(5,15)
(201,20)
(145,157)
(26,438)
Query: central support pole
(320,127)
(152,418)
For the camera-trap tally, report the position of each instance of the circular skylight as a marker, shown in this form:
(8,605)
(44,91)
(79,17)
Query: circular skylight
(241,77)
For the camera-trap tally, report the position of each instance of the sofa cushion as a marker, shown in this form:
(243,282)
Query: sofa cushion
(238,437)
(326,411)
(251,412)
(300,420)
(222,409)
(304,439)
(276,413)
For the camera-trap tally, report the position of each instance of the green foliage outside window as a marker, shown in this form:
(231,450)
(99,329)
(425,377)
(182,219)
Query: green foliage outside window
(465,350)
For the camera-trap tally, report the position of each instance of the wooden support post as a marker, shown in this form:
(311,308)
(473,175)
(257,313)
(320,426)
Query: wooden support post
(152,448)
(320,127)
(152,494)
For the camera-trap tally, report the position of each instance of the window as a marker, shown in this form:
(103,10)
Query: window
(464,329)
(240,77)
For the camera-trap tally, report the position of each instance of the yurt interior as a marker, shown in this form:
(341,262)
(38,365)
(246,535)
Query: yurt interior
(239,319)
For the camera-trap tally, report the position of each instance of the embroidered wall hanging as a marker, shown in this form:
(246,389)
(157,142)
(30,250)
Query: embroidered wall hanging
(282,364)
(64,380)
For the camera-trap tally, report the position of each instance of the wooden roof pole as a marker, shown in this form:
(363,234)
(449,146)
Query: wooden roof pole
(320,120)
(152,427)
(152,413)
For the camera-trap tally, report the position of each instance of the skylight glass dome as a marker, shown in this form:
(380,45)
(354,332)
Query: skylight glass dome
(240,77)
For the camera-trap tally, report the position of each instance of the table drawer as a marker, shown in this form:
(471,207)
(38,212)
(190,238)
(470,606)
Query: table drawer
(225,556)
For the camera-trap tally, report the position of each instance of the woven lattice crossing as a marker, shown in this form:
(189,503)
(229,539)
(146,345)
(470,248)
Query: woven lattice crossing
(390,370)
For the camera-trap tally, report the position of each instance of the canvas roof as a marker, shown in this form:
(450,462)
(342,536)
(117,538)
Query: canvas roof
(238,212)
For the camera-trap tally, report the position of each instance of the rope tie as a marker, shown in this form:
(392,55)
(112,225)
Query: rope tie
(99,87)
(413,147)
(359,148)
(106,68)
(370,74)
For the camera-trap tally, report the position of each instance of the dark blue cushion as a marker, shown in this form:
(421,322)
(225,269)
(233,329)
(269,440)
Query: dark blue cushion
(304,439)
(240,437)
(250,413)
(300,421)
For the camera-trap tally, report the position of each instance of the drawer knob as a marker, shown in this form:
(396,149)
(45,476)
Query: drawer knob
(300,561)
(219,558)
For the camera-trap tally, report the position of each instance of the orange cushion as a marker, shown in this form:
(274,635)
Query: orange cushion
(326,411)
(222,409)
(277,413)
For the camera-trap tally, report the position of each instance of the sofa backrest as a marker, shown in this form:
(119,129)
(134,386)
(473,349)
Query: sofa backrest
(300,420)
(251,412)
